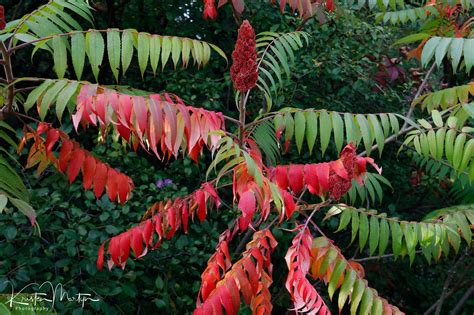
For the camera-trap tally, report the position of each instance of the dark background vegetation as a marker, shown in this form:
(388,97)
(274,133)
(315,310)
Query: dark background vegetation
(342,69)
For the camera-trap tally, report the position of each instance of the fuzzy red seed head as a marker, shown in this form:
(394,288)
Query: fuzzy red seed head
(210,11)
(2,18)
(244,73)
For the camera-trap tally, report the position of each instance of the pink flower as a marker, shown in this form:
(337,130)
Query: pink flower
(244,71)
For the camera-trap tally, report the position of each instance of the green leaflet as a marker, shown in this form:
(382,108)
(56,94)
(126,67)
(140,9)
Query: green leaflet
(78,53)
(143,51)
(95,51)
(113,52)
(60,56)
(300,126)
(127,49)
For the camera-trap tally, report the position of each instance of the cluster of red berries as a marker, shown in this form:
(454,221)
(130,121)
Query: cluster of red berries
(338,186)
(244,73)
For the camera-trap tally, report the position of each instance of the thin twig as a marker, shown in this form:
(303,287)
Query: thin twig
(378,257)
(405,127)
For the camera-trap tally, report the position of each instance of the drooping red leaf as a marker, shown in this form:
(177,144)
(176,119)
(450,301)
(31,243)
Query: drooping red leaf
(247,204)
(100,178)
(88,171)
(77,159)
(296,178)
(100,257)
(65,155)
(200,199)
(112,183)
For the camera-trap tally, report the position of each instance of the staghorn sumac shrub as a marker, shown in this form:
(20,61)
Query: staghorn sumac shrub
(241,179)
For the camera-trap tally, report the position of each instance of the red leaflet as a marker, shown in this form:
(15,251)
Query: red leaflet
(77,158)
(311,178)
(162,219)
(330,5)
(51,139)
(298,258)
(100,258)
(246,277)
(290,205)
(100,178)
(112,184)
(74,159)
(166,125)
(333,178)
(88,172)
(210,11)
(247,204)
(65,155)
(200,199)
(124,184)
(295,175)
(281,176)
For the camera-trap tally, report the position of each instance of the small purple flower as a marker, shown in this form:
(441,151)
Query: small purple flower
(160,184)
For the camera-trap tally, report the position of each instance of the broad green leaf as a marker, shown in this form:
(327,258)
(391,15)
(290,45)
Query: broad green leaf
(442,49)
(345,219)
(354,225)
(3,202)
(166,50)
(357,293)
(127,49)
(325,130)
(456,51)
(429,50)
(143,51)
(24,208)
(346,287)
(366,303)
(64,97)
(78,53)
(311,129)
(95,51)
(365,131)
(113,51)
(155,49)
(378,132)
(384,236)
(338,129)
(374,234)
(363,230)
(468,53)
(49,97)
(176,50)
(36,93)
(59,56)
(300,126)
(338,270)
(396,238)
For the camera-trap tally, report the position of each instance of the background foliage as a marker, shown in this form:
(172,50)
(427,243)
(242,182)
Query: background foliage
(344,68)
